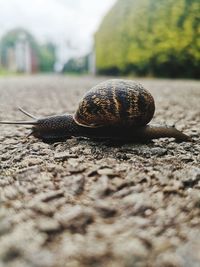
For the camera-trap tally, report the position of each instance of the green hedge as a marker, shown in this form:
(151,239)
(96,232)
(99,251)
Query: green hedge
(150,37)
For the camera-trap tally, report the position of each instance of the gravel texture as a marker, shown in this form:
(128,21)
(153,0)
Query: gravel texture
(88,203)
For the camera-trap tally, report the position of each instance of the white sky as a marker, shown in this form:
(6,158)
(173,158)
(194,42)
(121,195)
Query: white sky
(69,23)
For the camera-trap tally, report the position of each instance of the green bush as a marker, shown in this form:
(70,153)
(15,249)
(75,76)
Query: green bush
(47,57)
(77,65)
(148,37)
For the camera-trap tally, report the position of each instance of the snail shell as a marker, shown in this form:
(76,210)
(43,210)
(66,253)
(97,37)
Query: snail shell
(115,102)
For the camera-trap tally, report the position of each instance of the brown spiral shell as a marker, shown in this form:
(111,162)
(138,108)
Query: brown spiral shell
(115,102)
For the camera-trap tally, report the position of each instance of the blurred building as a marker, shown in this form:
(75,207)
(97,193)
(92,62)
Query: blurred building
(19,52)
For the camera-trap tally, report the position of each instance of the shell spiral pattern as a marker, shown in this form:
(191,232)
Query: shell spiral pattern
(115,102)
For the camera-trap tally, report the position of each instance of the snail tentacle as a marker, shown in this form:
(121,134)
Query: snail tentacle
(27,113)
(20,122)
(34,122)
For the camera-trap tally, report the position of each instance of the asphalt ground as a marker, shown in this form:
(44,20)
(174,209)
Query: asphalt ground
(88,203)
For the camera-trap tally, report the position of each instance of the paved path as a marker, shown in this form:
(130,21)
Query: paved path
(83,203)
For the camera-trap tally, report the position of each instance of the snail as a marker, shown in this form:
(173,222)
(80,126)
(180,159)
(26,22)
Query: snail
(114,109)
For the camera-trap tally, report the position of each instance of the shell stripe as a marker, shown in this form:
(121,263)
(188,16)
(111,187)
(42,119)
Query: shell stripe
(124,104)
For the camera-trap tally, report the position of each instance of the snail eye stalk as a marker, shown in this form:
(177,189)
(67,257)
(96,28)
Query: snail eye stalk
(34,122)
(27,113)
(20,122)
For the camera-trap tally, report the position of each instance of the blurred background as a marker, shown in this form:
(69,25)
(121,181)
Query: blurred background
(154,38)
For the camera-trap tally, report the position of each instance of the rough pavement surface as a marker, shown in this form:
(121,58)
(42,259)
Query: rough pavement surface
(87,203)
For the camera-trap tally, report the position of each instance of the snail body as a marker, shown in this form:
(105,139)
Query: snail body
(115,109)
